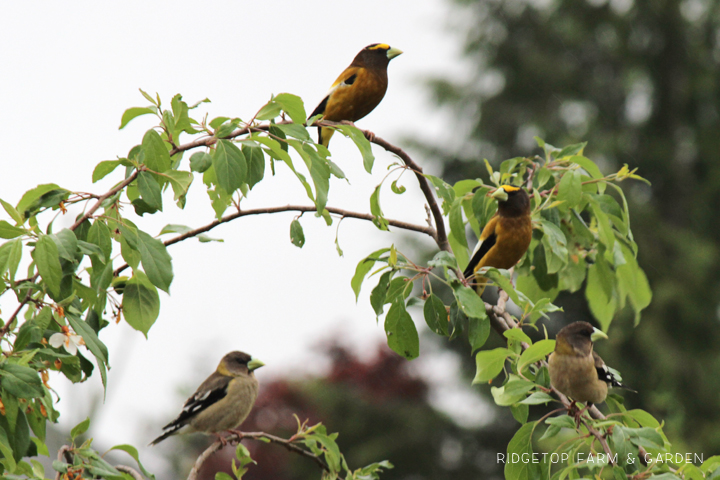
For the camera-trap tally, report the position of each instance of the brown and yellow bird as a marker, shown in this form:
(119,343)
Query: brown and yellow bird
(576,370)
(222,402)
(358,89)
(506,237)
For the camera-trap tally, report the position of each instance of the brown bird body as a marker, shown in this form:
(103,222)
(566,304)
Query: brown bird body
(358,90)
(506,237)
(575,369)
(222,402)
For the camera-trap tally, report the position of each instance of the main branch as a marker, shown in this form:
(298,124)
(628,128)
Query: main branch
(289,208)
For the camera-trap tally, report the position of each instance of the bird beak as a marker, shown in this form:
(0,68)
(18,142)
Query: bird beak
(254,364)
(393,52)
(500,195)
(597,335)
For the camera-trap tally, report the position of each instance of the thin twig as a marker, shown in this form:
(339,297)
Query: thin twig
(64,453)
(130,471)
(288,208)
(236,438)
(105,196)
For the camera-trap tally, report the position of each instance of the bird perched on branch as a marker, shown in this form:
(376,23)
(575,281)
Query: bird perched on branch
(358,89)
(576,370)
(506,237)
(222,402)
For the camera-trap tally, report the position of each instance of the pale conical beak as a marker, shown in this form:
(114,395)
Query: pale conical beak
(393,52)
(597,335)
(500,195)
(254,364)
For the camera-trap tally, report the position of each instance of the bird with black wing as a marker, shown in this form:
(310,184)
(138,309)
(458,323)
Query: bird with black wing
(505,238)
(358,89)
(576,370)
(222,402)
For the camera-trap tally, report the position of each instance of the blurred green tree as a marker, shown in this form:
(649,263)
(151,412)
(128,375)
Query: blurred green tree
(640,81)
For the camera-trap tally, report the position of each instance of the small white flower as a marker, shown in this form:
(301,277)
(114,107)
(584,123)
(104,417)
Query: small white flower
(68,340)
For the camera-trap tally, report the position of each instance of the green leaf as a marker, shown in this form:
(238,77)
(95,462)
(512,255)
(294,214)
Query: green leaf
(103,169)
(20,381)
(46,195)
(478,332)
(200,161)
(292,105)
(141,303)
(457,226)
(156,261)
(570,188)
(599,293)
(362,144)
(443,259)
(150,190)
(179,181)
(605,230)
(92,342)
(156,155)
(512,392)
(230,166)
(11,211)
(8,231)
(256,164)
(571,150)
(517,335)
(469,301)
(489,364)
(436,315)
(538,398)
(402,336)
(378,295)
(134,112)
(521,444)
(132,451)
(520,412)
(67,244)
(80,428)
(47,260)
(362,269)
(537,351)
(297,237)
(378,219)
(294,130)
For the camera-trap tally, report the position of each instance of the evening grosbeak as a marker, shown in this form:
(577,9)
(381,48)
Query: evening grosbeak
(358,89)
(222,402)
(506,237)
(575,369)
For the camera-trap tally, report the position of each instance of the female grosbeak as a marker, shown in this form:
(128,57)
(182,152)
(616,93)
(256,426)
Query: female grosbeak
(222,402)
(575,369)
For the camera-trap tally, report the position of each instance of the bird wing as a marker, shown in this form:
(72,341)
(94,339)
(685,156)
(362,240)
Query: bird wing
(485,243)
(211,391)
(607,374)
(345,79)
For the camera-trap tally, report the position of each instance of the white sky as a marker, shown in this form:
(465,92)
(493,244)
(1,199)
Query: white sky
(67,73)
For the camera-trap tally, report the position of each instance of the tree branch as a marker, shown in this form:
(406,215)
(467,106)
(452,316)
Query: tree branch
(130,471)
(288,208)
(104,197)
(237,437)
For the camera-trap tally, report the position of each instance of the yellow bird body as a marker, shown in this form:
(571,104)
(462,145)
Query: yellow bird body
(506,237)
(358,89)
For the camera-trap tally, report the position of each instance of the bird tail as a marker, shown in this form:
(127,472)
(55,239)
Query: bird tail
(324,135)
(172,431)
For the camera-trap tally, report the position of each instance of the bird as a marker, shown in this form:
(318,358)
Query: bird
(506,237)
(222,402)
(576,370)
(358,89)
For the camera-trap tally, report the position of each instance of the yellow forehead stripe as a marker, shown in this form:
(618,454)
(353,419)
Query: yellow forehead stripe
(383,46)
(510,188)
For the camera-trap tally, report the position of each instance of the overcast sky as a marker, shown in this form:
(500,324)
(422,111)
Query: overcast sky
(70,70)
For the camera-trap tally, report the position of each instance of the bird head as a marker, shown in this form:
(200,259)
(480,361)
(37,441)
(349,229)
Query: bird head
(235,364)
(376,55)
(512,200)
(577,338)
